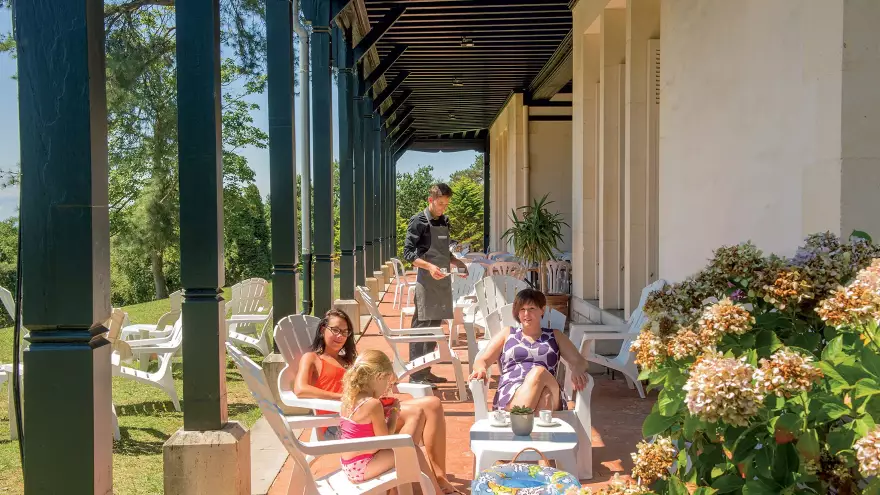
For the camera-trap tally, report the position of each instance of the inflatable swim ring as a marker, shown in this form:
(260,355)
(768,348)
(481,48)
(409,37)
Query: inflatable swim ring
(523,479)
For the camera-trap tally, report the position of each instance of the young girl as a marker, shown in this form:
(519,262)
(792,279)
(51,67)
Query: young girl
(363,415)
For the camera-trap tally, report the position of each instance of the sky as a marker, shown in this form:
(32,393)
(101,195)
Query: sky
(443,163)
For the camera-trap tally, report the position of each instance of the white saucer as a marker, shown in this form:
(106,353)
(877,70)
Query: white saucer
(548,425)
(500,425)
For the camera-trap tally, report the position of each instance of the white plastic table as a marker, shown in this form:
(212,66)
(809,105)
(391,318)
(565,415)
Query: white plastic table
(491,444)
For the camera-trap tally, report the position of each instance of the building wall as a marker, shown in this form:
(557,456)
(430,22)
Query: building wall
(550,169)
(750,126)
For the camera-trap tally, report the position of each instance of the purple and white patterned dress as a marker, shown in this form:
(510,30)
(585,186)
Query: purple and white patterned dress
(518,357)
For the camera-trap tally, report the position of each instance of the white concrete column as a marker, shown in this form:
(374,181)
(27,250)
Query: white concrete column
(611,157)
(860,119)
(642,24)
(585,193)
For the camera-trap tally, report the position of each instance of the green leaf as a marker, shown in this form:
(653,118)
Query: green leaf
(808,445)
(676,487)
(656,423)
(835,379)
(861,234)
(729,483)
(840,440)
(834,350)
(761,487)
(691,425)
(873,487)
(669,401)
(870,361)
(826,408)
(746,443)
(788,423)
(705,490)
(806,341)
(767,339)
(785,462)
(866,387)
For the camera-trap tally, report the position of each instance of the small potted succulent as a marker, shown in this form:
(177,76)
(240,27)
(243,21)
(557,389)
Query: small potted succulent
(522,420)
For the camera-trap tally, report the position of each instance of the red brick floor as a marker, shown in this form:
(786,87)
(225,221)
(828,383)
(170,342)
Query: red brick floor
(617,414)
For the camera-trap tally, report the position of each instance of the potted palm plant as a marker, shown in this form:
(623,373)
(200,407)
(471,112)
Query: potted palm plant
(535,233)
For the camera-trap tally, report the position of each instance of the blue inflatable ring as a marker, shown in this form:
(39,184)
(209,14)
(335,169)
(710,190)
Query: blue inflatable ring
(523,479)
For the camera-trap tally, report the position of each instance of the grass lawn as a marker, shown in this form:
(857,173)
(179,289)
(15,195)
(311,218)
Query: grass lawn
(146,417)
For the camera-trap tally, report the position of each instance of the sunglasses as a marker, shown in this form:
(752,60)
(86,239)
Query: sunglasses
(339,332)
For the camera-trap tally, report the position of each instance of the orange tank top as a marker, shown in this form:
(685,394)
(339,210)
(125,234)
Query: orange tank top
(330,379)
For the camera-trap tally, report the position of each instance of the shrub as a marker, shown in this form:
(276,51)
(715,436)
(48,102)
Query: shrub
(769,373)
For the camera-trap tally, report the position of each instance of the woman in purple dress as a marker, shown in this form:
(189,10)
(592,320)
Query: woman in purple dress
(529,357)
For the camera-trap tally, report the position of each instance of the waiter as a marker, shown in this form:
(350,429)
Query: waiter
(427,248)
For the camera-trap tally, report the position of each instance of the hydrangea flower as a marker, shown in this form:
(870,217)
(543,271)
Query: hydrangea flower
(786,373)
(690,343)
(616,486)
(725,317)
(649,350)
(857,303)
(868,453)
(653,460)
(722,389)
(788,289)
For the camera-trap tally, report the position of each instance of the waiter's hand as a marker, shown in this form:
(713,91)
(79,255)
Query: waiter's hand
(436,273)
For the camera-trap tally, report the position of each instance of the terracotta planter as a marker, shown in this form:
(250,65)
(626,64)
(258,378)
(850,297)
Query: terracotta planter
(522,424)
(559,302)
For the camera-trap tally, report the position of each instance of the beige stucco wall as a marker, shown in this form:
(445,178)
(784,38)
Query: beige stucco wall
(508,167)
(550,168)
(750,125)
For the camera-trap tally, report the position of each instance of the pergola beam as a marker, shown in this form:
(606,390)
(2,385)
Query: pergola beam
(398,118)
(389,90)
(395,106)
(387,61)
(401,126)
(376,32)
(406,144)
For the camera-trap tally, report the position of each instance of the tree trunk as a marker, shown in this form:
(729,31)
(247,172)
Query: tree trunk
(159,276)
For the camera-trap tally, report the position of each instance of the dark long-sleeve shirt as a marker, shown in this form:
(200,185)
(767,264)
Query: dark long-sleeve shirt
(418,235)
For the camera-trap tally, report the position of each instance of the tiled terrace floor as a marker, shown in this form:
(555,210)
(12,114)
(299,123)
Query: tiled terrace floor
(617,414)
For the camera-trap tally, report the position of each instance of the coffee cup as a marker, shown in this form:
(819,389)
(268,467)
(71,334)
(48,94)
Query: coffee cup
(498,417)
(546,416)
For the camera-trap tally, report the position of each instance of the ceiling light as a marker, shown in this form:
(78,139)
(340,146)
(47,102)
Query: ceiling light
(468,42)
(451,116)
(457,83)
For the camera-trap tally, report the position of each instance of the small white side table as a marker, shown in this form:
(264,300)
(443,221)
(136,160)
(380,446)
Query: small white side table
(491,444)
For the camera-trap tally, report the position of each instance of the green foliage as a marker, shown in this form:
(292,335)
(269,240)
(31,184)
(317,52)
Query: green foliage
(536,232)
(465,212)
(769,389)
(413,189)
(521,410)
(246,235)
(474,172)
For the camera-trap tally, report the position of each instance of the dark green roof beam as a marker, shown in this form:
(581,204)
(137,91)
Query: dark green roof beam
(398,102)
(376,32)
(389,89)
(399,117)
(401,126)
(383,67)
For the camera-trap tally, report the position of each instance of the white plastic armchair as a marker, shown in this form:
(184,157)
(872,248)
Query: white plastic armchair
(579,418)
(294,335)
(620,337)
(509,268)
(162,378)
(302,481)
(162,328)
(558,276)
(261,342)
(403,369)
(491,292)
(401,284)
(249,297)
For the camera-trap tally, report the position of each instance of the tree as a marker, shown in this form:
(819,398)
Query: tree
(413,189)
(474,172)
(465,212)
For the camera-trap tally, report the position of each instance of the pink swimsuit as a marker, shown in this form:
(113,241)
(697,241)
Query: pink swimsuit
(355,467)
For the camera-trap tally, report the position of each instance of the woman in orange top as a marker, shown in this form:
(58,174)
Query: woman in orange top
(320,377)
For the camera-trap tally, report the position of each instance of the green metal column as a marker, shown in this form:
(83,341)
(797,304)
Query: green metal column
(344,58)
(322,153)
(369,179)
(360,273)
(389,205)
(487,212)
(282,164)
(201,214)
(65,246)
(377,194)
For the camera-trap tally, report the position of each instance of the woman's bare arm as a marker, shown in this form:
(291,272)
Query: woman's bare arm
(489,356)
(305,377)
(575,360)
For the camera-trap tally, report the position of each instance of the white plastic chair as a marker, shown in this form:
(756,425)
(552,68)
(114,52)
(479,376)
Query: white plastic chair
(509,268)
(403,369)
(161,378)
(294,335)
(162,328)
(491,292)
(401,283)
(249,303)
(623,361)
(302,482)
(579,418)
(261,342)
(558,277)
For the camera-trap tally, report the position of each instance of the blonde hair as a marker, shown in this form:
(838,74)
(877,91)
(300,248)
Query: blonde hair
(370,365)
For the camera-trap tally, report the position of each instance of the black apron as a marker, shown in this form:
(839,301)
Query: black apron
(434,297)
